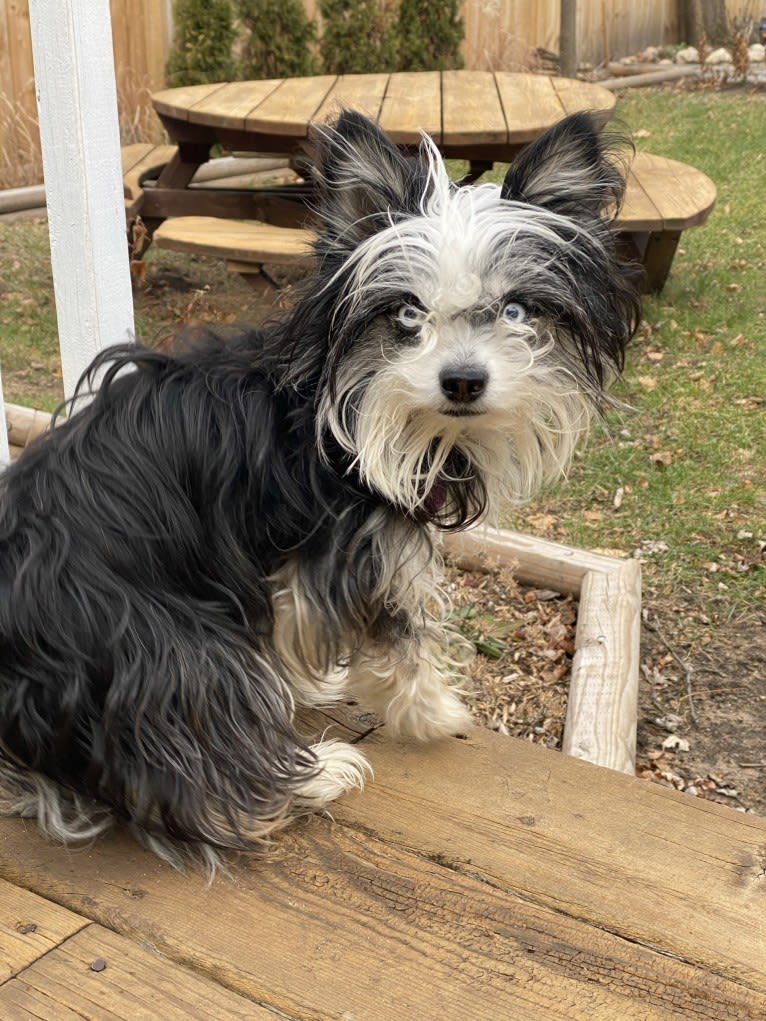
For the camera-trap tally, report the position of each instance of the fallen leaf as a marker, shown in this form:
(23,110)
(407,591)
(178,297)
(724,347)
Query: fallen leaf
(675,743)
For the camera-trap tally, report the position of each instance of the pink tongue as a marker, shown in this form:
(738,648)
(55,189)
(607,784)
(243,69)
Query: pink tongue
(436,498)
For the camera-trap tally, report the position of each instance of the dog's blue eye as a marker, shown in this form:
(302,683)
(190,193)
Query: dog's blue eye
(514,313)
(410,317)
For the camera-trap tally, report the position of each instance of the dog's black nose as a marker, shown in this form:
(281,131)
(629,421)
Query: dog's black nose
(464,383)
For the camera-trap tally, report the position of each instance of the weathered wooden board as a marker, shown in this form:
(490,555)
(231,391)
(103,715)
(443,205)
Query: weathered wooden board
(339,924)
(180,101)
(231,105)
(602,706)
(247,241)
(470,98)
(128,982)
(530,103)
(362,92)
(664,194)
(30,927)
(290,108)
(534,561)
(658,867)
(412,105)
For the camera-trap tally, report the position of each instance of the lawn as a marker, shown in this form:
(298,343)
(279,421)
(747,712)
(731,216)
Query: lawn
(681,477)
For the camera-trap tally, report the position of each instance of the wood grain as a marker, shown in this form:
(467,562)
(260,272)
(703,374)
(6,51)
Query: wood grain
(603,691)
(30,927)
(232,104)
(684,196)
(24,424)
(361,92)
(134,983)
(632,857)
(245,241)
(412,105)
(291,107)
(179,102)
(138,161)
(338,924)
(664,194)
(576,95)
(471,109)
(534,561)
(530,104)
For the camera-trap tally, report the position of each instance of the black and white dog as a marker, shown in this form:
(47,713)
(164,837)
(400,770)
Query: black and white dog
(247,524)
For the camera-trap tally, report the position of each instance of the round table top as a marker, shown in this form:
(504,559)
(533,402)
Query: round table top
(458,109)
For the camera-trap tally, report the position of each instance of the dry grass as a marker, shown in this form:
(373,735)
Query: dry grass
(21,162)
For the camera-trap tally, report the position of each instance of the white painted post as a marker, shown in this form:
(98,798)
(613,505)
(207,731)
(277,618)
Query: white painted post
(79,130)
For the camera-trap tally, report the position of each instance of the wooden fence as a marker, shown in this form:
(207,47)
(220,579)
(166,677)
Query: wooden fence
(499,34)
(141,33)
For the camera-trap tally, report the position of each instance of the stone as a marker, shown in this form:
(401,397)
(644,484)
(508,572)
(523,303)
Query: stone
(688,56)
(757,53)
(719,56)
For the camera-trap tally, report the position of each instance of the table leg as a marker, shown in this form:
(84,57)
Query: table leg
(182,167)
(476,169)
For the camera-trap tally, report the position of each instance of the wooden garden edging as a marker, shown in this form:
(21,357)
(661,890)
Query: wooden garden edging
(602,709)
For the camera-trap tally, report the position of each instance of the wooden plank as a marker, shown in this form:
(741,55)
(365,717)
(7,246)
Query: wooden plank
(412,105)
(530,104)
(235,239)
(179,102)
(290,108)
(338,924)
(362,92)
(603,692)
(627,855)
(140,160)
(30,927)
(638,211)
(470,99)
(134,984)
(664,194)
(23,424)
(683,195)
(534,561)
(576,96)
(231,105)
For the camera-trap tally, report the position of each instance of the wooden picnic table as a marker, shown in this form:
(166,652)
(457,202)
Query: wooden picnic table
(482,879)
(479,116)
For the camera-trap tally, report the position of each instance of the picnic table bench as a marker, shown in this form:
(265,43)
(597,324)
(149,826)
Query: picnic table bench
(663,199)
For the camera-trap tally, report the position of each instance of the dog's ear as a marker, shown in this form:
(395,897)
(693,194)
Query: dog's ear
(363,179)
(571,169)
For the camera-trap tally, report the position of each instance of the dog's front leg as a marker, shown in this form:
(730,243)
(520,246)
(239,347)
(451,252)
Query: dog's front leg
(412,683)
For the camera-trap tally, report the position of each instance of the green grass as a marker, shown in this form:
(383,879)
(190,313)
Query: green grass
(686,461)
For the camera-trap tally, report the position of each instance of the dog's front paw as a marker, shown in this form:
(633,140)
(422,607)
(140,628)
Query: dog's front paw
(341,767)
(433,712)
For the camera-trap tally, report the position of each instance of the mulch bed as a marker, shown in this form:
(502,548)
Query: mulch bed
(518,682)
